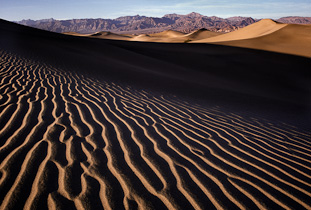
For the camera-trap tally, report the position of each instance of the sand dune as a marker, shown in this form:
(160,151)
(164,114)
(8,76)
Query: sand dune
(261,28)
(164,38)
(265,35)
(202,34)
(169,36)
(103,35)
(269,35)
(77,34)
(109,35)
(292,39)
(104,124)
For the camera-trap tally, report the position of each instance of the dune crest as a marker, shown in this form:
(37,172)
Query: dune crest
(164,36)
(202,34)
(109,35)
(291,39)
(270,36)
(168,36)
(261,28)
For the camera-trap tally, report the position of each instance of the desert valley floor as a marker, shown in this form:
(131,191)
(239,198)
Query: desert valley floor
(110,124)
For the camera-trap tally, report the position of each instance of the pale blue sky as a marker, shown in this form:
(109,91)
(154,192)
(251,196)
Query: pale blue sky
(69,9)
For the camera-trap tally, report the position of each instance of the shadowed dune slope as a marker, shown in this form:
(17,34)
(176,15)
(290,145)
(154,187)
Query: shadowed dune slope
(105,124)
(226,72)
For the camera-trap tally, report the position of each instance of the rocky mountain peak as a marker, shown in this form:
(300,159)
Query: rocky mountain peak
(141,24)
(194,15)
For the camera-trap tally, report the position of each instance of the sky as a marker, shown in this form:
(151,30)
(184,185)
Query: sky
(15,10)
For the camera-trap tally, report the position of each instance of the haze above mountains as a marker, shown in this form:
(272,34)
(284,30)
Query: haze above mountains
(142,24)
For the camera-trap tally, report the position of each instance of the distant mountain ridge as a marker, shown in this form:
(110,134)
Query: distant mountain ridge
(142,24)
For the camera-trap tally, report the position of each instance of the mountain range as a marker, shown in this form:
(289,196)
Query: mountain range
(142,24)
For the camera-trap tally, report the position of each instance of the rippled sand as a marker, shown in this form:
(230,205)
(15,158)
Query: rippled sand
(74,140)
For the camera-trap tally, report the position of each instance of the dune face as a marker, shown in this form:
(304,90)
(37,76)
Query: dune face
(168,36)
(104,124)
(260,28)
(292,39)
(202,34)
(109,35)
(168,33)
(164,36)
(268,35)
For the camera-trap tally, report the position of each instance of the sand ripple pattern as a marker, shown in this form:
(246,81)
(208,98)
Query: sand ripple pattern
(72,142)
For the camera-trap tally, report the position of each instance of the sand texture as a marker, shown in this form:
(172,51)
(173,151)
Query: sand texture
(108,124)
